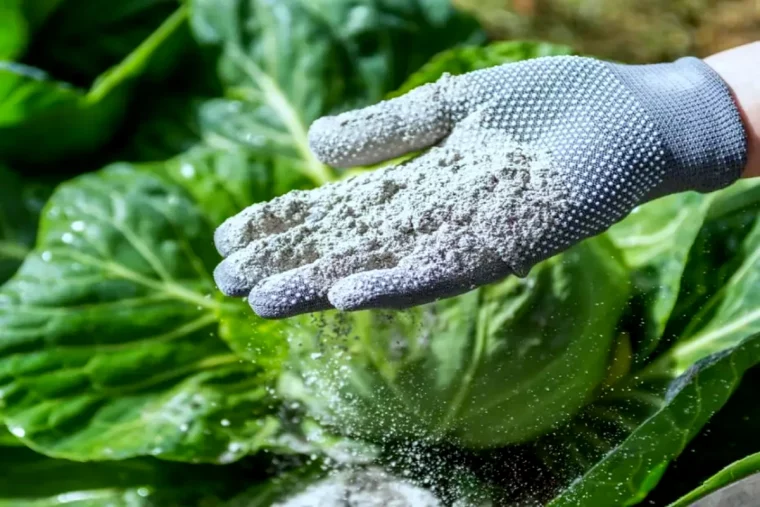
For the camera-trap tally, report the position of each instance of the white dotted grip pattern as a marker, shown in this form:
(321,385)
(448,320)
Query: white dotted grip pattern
(621,135)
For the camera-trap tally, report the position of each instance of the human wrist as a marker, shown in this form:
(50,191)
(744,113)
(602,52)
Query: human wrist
(740,69)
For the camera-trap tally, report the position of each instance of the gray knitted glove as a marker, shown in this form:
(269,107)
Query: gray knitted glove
(529,159)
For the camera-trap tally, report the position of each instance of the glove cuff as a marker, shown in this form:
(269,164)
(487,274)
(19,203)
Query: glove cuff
(698,121)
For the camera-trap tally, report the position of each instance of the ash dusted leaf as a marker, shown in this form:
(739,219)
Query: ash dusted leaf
(265,494)
(302,435)
(369,487)
(471,58)
(110,341)
(628,472)
(106,497)
(605,423)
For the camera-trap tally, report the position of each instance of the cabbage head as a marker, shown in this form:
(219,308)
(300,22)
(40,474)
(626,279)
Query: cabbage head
(499,365)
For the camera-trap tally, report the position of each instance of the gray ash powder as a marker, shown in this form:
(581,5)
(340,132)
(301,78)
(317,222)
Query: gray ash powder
(363,488)
(467,212)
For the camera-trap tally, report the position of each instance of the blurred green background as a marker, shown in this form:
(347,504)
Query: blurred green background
(641,31)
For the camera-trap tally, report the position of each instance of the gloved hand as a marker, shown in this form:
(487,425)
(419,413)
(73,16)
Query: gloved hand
(529,159)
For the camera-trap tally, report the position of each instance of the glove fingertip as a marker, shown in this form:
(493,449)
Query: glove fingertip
(327,142)
(222,239)
(382,288)
(346,295)
(383,131)
(228,282)
(284,295)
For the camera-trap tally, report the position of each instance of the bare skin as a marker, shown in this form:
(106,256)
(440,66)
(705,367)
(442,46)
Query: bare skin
(740,69)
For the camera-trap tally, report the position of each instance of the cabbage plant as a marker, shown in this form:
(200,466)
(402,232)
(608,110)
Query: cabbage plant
(498,366)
